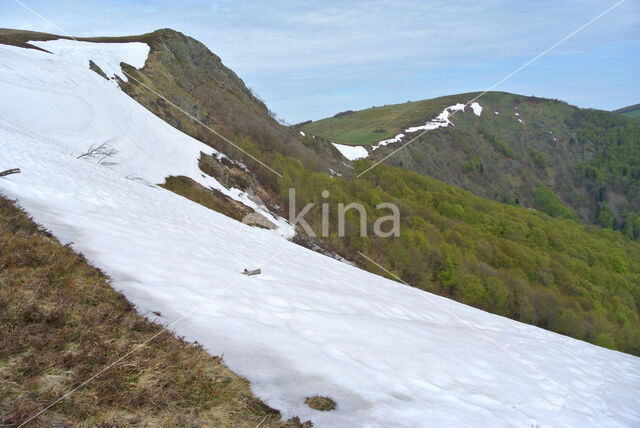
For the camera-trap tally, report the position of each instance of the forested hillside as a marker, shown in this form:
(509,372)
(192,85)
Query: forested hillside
(554,273)
(526,151)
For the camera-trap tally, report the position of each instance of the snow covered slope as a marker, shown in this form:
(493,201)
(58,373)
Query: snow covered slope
(351,152)
(390,355)
(107,56)
(70,102)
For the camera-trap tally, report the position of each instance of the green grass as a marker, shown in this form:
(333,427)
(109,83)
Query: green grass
(630,111)
(554,273)
(579,154)
(360,128)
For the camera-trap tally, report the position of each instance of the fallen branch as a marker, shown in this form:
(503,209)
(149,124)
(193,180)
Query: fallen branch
(252,272)
(10,171)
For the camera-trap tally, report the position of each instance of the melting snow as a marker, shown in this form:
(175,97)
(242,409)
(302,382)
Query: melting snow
(107,56)
(395,139)
(351,152)
(390,355)
(440,121)
(477,108)
(302,133)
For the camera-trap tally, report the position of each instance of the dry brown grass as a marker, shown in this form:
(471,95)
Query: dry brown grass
(210,198)
(61,322)
(319,402)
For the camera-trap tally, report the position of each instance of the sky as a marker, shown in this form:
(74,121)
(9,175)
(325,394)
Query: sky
(309,60)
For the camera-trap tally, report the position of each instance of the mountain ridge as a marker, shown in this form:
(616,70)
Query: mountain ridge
(517,149)
(629,111)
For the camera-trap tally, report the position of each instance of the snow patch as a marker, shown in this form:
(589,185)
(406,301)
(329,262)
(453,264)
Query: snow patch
(351,152)
(477,108)
(395,139)
(440,121)
(302,133)
(107,56)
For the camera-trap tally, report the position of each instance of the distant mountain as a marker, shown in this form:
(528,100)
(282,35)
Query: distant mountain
(630,111)
(528,151)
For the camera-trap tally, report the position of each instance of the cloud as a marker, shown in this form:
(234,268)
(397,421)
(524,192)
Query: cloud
(327,53)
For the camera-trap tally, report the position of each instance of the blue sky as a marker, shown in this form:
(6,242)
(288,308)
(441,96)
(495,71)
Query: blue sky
(311,59)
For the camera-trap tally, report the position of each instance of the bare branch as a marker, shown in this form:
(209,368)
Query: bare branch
(10,171)
(103,151)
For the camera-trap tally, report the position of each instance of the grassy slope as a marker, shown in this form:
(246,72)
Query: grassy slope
(360,127)
(61,322)
(630,111)
(368,126)
(212,199)
(496,156)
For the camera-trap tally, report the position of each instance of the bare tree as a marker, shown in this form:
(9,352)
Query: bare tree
(103,152)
